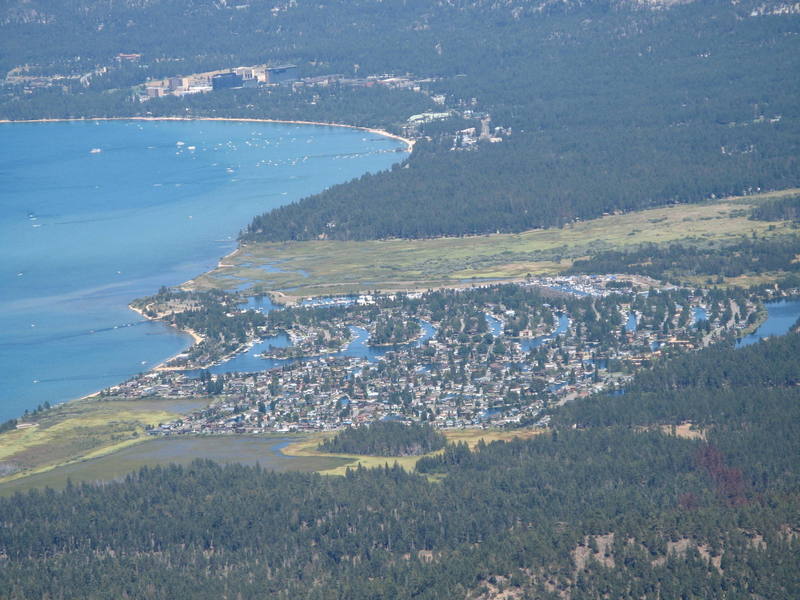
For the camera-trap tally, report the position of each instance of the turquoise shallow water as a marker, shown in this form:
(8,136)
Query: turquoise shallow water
(94,214)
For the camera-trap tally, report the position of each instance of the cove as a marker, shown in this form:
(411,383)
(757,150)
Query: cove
(96,213)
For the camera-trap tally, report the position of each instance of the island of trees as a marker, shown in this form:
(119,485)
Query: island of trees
(681,262)
(386,438)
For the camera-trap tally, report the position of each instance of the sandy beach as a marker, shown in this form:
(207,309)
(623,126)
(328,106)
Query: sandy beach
(162,366)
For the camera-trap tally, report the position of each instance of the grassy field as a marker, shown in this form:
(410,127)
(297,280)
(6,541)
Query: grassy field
(307,448)
(264,450)
(297,269)
(82,430)
(279,452)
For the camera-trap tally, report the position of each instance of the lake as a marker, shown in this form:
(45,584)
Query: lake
(96,213)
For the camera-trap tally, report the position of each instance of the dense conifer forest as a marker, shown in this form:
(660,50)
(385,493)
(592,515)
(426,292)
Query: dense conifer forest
(527,182)
(609,502)
(385,438)
(678,261)
(779,209)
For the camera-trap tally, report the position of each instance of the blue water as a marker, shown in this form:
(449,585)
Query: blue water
(273,268)
(632,322)
(781,315)
(250,362)
(563,327)
(495,325)
(699,314)
(82,233)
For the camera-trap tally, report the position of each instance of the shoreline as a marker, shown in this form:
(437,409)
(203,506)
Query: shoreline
(276,296)
(189,284)
(197,338)
(162,366)
(409,143)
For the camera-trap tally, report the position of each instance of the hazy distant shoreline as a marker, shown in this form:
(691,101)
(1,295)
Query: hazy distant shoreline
(408,142)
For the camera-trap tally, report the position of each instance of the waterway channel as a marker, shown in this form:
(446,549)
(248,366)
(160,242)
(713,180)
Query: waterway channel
(358,347)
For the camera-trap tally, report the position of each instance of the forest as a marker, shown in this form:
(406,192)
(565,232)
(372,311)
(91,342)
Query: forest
(676,262)
(393,330)
(386,438)
(367,107)
(610,501)
(778,209)
(720,387)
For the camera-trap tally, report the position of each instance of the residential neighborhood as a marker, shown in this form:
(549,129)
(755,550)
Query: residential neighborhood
(495,355)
